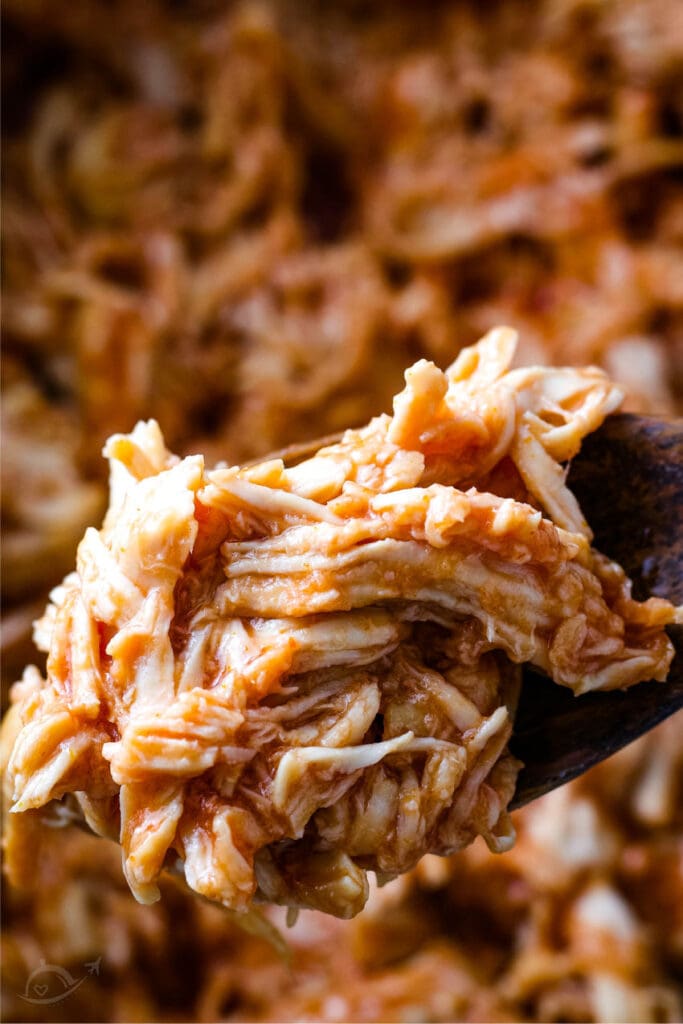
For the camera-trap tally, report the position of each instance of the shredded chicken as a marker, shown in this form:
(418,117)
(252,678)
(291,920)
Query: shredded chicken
(245,219)
(254,215)
(476,937)
(287,677)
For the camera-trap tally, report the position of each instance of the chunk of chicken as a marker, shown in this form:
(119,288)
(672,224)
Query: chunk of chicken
(289,677)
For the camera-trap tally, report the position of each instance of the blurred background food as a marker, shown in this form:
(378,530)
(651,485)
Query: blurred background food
(245,219)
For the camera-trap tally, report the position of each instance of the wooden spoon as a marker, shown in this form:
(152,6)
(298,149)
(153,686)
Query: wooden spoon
(628,478)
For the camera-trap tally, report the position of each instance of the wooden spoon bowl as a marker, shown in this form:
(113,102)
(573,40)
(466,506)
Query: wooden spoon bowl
(628,479)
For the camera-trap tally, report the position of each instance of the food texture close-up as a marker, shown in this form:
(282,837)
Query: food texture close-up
(446,239)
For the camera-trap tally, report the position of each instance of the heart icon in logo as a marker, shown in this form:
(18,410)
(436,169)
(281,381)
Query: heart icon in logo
(52,977)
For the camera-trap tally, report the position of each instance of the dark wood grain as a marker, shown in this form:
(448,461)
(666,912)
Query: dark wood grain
(628,478)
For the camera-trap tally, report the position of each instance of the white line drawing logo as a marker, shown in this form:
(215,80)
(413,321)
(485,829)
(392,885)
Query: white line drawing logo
(50,983)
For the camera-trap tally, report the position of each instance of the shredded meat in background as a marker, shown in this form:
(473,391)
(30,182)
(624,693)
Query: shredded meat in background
(582,920)
(246,220)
